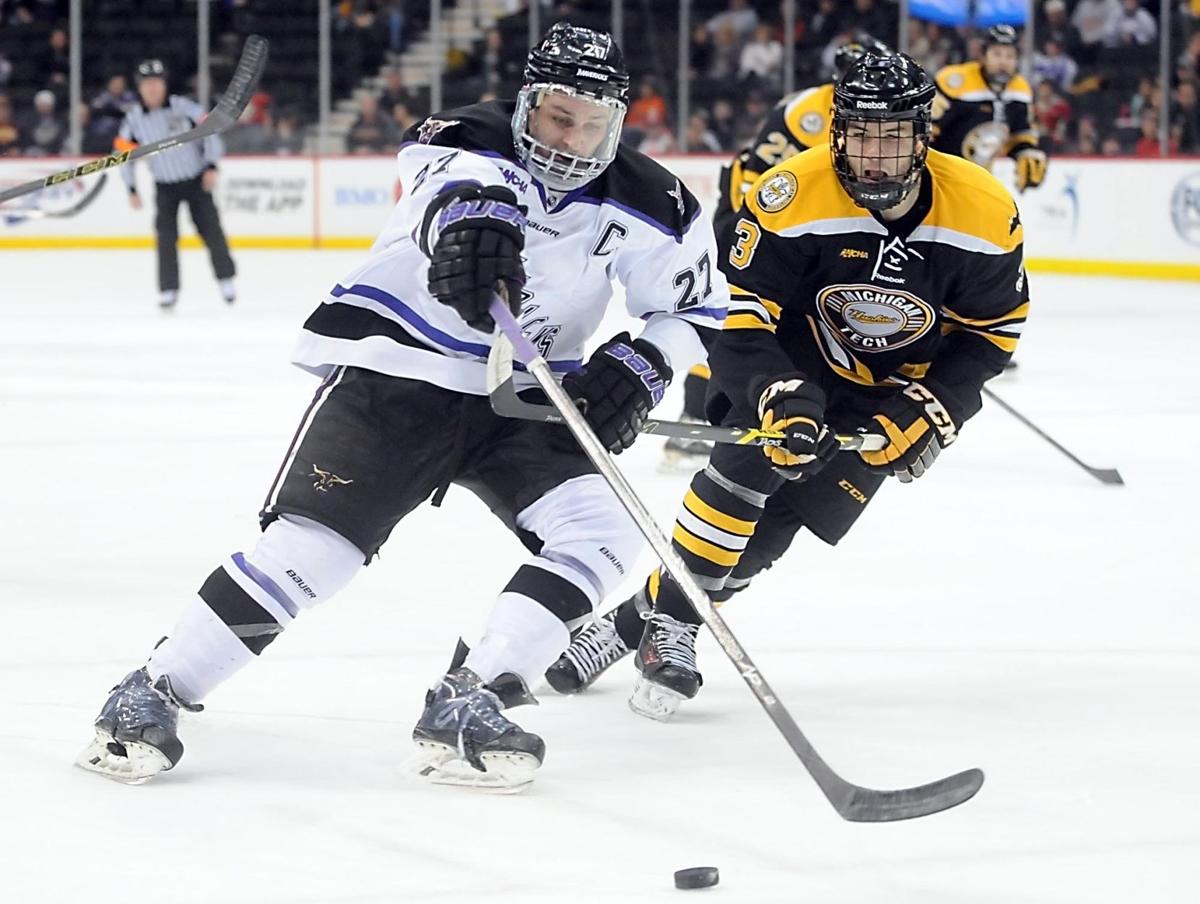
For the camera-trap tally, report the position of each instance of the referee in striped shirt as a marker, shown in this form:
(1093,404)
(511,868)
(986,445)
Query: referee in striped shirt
(186,173)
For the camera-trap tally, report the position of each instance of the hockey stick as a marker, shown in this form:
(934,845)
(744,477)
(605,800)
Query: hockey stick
(852,802)
(16,214)
(241,87)
(505,402)
(1105,475)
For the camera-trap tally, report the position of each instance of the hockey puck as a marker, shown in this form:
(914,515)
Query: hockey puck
(697,877)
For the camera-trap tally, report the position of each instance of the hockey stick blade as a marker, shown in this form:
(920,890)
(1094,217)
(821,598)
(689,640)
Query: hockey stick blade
(850,801)
(1110,476)
(16,214)
(230,106)
(502,394)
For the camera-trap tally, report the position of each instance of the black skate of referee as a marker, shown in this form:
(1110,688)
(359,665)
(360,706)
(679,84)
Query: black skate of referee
(186,173)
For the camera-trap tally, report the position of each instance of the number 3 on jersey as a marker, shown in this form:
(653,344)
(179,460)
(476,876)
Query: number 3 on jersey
(742,251)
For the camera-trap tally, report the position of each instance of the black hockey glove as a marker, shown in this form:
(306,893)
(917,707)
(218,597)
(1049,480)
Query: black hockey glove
(793,405)
(621,382)
(917,427)
(481,232)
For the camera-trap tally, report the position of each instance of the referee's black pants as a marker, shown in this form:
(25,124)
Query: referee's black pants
(208,224)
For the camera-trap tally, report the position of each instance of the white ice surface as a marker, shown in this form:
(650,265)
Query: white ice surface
(1006,612)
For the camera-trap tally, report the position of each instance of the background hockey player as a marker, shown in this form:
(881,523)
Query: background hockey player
(799,121)
(984,109)
(536,198)
(878,287)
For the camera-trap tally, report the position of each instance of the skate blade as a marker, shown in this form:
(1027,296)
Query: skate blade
(130,763)
(675,461)
(654,701)
(507,773)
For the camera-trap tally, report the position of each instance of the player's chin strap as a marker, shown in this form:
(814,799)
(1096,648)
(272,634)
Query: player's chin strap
(505,402)
(851,801)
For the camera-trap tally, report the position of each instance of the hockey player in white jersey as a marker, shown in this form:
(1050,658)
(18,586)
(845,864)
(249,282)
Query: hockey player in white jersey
(535,198)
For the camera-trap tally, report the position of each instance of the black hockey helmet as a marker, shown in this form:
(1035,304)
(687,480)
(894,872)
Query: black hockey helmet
(853,51)
(586,68)
(151,69)
(875,169)
(1001,34)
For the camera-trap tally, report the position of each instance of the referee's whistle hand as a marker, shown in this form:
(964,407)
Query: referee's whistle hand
(209,180)
(135,201)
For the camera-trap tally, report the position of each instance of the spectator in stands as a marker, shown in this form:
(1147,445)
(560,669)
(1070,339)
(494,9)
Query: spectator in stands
(1087,142)
(396,92)
(1130,25)
(761,61)
(372,132)
(95,139)
(657,140)
(723,124)
(739,16)
(726,55)
(824,25)
(1185,119)
(10,135)
(648,110)
(54,64)
(701,51)
(1188,60)
(1053,115)
(699,139)
(1090,19)
(932,47)
(395,21)
(289,139)
(46,130)
(1057,28)
(1143,99)
(5,70)
(404,118)
(1111,147)
(109,106)
(873,19)
(1148,144)
(751,119)
(1054,66)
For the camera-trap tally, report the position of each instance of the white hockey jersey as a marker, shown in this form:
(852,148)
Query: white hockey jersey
(636,224)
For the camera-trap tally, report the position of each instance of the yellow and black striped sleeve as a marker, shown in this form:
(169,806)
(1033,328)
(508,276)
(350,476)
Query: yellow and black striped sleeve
(1022,120)
(981,325)
(761,268)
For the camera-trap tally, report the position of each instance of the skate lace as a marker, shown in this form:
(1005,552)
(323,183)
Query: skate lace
(597,647)
(139,703)
(675,641)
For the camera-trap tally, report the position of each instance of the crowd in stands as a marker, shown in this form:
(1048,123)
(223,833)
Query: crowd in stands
(1094,71)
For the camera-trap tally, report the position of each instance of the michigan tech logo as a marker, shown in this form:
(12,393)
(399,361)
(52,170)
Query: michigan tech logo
(868,318)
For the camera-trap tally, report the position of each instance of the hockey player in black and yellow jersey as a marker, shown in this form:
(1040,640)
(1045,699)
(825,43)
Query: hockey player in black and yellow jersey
(798,122)
(874,286)
(984,109)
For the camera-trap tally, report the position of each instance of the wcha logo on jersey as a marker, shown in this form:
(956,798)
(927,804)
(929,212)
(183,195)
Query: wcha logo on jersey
(1185,208)
(430,128)
(873,319)
(777,192)
(813,123)
(326,479)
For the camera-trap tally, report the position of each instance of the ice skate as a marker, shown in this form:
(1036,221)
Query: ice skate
(683,455)
(666,661)
(464,740)
(136,735)
(590,654)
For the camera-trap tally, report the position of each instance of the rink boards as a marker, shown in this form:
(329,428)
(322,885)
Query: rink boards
(1119,217)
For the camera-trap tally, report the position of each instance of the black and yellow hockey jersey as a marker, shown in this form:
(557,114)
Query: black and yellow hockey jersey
(860,305)
(972,121)
(795,124)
